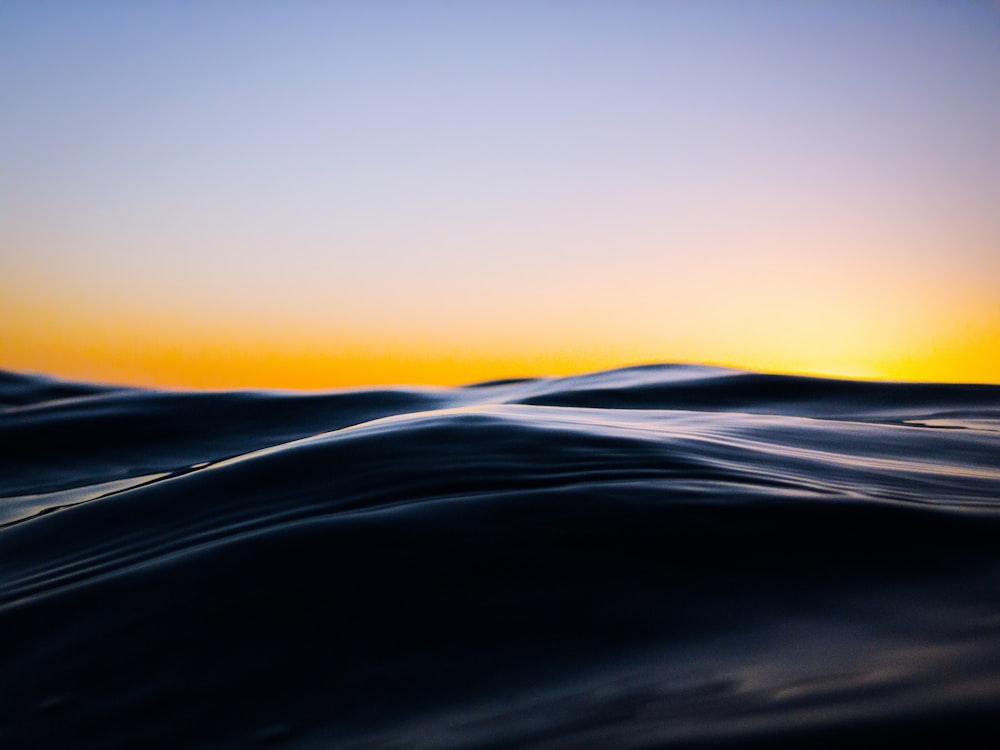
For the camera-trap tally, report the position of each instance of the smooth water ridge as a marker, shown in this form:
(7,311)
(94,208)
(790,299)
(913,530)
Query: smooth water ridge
(653,557)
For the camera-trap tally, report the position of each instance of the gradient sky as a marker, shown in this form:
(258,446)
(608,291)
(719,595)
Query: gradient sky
(317,194)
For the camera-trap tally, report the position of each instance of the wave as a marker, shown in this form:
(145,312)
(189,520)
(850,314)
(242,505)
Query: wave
(659,556)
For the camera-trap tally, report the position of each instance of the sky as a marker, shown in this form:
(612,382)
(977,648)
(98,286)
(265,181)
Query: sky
(310,194)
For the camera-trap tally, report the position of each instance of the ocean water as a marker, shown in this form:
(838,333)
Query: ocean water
(653,557)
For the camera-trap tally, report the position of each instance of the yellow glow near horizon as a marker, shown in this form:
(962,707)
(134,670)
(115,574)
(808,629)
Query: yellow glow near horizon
(126,344)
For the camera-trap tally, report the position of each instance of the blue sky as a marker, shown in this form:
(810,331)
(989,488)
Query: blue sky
(507,178)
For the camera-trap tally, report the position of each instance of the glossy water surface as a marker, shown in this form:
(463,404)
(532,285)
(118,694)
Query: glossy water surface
(662,556)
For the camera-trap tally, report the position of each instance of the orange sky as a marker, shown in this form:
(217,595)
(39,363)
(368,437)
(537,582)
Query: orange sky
(925,332)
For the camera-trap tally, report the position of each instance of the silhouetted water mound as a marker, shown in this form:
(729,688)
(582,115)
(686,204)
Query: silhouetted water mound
(663,556)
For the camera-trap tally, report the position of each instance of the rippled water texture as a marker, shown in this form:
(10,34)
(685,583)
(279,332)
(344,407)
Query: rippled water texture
(651,557)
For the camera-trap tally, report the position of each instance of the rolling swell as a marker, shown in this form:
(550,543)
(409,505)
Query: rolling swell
(652,557)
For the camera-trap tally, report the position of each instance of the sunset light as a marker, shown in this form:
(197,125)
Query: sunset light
(307,195)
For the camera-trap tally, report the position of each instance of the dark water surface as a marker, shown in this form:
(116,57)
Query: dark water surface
(663,556)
